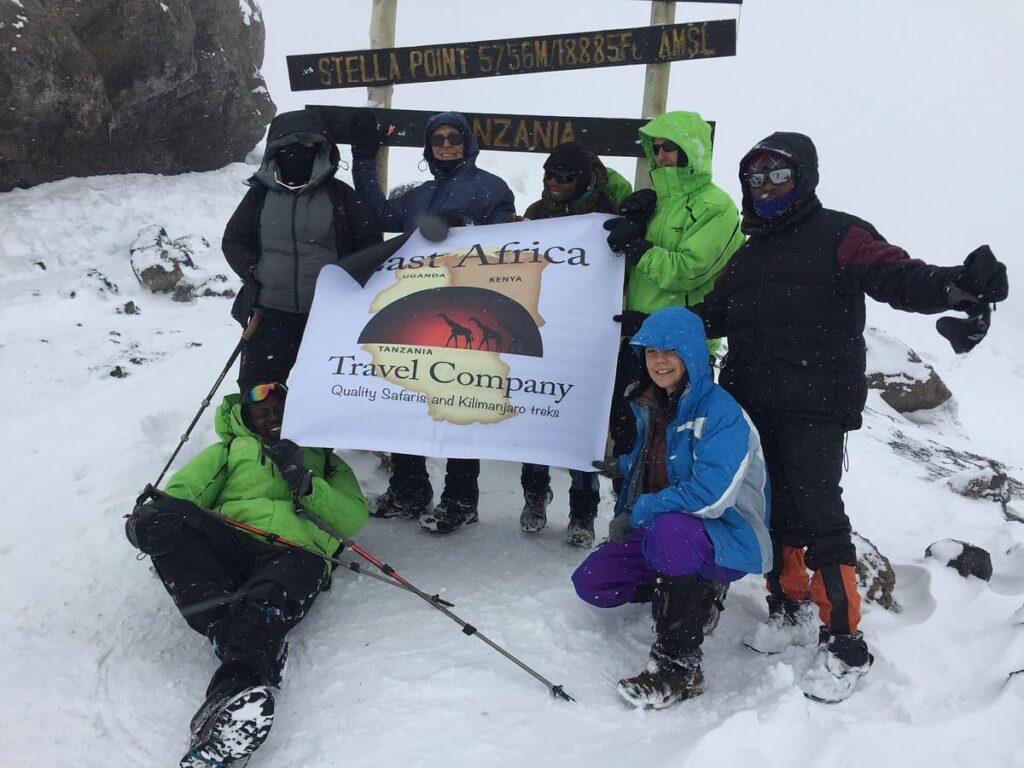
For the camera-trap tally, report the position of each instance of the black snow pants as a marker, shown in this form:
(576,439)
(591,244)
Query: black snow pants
(275,587)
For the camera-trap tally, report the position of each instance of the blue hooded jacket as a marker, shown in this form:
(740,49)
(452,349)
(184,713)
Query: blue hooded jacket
(716,468)
(477,196)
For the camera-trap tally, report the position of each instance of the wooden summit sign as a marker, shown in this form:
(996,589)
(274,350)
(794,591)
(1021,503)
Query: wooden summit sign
(520,56)
(613,137)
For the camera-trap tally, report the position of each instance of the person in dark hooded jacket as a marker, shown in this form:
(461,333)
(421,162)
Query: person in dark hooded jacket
(792,303)
(461,194)
(295,219)
(575,182)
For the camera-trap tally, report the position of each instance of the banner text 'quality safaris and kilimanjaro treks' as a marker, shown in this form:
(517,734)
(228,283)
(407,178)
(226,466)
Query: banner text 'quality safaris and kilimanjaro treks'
(497,343)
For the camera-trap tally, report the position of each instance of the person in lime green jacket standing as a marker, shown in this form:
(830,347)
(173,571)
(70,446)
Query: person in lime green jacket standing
(676,238)
(243,591)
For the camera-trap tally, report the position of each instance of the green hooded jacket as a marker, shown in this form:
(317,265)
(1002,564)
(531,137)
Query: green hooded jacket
(235,479)
(695,228)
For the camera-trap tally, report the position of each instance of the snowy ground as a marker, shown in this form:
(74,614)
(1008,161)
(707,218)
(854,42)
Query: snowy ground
(99,668)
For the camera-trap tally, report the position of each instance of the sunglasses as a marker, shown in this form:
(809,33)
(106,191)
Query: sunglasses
(561,178)
(261,392)
(453,139)
(665,146)
(778,176)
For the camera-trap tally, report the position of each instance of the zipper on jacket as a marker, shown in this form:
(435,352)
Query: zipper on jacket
(295,253)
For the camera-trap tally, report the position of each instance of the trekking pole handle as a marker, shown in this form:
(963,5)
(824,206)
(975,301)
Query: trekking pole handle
(254,322)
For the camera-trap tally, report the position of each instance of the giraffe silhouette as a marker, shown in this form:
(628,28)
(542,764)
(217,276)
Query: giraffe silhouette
(487,336)
(457,330)
(513,340)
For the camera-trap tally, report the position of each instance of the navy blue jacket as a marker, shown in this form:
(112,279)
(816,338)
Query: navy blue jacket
(716,468)
(477,196)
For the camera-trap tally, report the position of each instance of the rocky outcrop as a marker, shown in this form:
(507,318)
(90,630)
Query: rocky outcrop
(907,383)
(120,86)
(966,559)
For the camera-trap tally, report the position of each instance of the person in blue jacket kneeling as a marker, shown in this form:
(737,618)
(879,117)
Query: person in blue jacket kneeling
(693,511)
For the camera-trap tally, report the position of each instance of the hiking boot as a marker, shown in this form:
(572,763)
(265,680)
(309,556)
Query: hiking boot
(392,504)
(790,622)
(229,727)
(666,680)
(582,512)
(842,660)
(714,604)
(449,515)
(580,533)
(535,511)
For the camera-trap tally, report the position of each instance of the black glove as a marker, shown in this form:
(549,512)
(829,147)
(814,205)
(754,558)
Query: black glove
(635,250)
(622,232)
(288,458)
(153,531)
(639,206)
(619,529)
(964,334)
(365,136)
(984,276)
(631,320)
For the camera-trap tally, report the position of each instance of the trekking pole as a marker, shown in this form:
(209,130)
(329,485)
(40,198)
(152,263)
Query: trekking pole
(250,329)
(434,601)
(387,570)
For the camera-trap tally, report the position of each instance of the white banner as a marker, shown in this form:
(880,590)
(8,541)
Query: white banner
(497,343)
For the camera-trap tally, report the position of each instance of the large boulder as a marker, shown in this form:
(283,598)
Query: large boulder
(907,383)
(122,86)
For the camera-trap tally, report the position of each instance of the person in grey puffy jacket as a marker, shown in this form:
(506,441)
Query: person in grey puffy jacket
(295,219)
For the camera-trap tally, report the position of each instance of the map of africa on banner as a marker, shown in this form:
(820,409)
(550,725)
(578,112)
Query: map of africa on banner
(496,343)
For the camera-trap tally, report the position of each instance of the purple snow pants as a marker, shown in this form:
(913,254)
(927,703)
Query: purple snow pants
(675,545)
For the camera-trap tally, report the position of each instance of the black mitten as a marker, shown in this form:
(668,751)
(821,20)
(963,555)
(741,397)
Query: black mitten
(964,334)
(365,135)
(984,276)
(620,529)
(621,232)
(635,250)
(153,531)
(639,206)
(631,320)
(288,458)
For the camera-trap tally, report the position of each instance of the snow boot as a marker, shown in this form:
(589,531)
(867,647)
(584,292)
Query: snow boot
(673,671)
(449,515)
(842,660)
(582,512)
(233,722)
(392,504)
(534,516)
(790,622)
(714,604)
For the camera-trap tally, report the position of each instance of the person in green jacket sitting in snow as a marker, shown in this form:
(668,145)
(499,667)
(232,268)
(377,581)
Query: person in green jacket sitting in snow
(240,590)
(676,238)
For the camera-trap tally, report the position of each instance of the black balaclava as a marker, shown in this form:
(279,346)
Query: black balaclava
(295,163)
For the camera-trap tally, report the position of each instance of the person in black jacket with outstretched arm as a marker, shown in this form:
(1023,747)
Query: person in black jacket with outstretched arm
(791,302)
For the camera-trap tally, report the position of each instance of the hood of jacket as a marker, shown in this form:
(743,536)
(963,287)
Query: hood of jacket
(693,135)
(229,422)
(301,125)
(470,147)
(800,151)
(678,329)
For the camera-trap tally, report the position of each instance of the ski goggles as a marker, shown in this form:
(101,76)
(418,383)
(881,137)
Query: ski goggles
(778,176)
(261,392)
(454,139)
(665,146)
(561,178)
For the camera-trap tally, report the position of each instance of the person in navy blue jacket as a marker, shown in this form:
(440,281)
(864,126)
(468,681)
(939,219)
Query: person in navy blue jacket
(693,508)
(461,194)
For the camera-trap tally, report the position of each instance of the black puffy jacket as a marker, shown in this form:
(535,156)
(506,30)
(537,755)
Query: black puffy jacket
(791,300)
